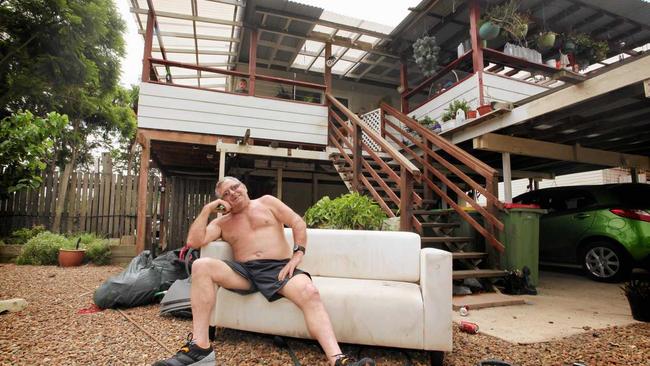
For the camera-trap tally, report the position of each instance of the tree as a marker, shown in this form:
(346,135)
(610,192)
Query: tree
(64,56)
(26,142)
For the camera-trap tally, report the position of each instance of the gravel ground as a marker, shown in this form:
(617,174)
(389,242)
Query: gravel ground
(50,331)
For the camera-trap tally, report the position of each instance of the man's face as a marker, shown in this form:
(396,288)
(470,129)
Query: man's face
(233,192)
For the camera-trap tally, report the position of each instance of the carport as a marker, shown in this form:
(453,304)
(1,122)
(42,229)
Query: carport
(599,123)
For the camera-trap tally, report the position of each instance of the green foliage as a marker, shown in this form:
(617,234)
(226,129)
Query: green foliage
(588,49)
(26,141)
(22,235)
(429,123)
(454,106)
(43,249)
(350,211)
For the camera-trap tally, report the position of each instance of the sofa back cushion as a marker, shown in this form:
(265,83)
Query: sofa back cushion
(373,255)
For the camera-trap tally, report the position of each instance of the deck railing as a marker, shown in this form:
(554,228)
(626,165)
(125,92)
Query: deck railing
(237,74)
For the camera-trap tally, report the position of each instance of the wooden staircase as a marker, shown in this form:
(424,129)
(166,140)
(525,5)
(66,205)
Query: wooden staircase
(406,166)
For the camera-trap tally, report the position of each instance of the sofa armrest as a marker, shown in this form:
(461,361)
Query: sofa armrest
(217,249)
(436,287)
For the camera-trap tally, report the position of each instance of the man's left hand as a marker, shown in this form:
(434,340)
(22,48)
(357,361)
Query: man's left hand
(290,267)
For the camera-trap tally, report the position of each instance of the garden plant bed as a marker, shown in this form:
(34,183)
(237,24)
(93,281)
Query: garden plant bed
(50,331)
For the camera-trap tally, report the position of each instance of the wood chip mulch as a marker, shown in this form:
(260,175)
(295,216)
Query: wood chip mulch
(50,331)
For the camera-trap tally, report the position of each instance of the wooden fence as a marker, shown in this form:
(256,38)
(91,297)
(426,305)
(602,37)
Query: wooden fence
(101,203)
(185,197)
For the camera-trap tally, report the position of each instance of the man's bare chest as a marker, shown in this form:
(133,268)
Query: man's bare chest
(248,224)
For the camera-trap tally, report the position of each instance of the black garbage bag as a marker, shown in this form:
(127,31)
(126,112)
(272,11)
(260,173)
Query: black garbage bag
(135,286)
(518,283)
(171,268)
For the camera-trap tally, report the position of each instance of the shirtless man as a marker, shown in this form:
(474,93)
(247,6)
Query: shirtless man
(263,261)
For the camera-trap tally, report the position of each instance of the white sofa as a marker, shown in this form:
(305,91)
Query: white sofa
(379,289)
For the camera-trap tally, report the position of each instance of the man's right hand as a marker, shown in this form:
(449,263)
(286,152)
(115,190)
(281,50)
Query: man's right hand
(218,206)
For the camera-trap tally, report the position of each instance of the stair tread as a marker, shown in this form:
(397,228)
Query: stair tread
(477,273)
(440,224)
(468,255)
(442,239)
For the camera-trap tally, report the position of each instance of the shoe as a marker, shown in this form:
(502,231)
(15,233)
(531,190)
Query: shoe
(189,354)
(344,360)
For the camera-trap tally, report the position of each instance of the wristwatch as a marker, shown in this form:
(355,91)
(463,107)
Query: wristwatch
(297,247)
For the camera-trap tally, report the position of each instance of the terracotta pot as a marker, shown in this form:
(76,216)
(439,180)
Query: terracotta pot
(484,109)
(71,257)
(471,114)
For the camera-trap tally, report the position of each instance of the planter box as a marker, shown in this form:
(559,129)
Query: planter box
(9,252)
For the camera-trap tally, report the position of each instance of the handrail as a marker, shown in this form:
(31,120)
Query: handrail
(429,139)
(275,79)
(463,156)
(408,174)
(396,155)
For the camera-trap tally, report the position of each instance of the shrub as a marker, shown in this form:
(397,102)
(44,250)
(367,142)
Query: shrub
(22,235)
(43,249)
(97,249)
(98,252)
(350,211)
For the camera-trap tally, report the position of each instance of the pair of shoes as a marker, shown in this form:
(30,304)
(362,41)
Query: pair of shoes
(190,354)
(344,360)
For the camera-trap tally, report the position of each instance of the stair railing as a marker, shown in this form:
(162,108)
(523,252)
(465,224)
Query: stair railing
(346,136)
(435,165)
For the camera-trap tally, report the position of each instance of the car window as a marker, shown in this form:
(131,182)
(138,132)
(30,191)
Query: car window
(579,200)
(637,195)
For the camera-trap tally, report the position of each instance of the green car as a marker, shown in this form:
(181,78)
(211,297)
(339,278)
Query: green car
(603,228)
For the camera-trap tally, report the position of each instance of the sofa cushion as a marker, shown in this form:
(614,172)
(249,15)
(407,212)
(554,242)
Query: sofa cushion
(373,255)
(373,312)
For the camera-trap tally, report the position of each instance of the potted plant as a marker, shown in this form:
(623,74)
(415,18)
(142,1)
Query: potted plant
(454,106)
(472,113)
(637,292)
(71,257)
(425,54)
(484,109)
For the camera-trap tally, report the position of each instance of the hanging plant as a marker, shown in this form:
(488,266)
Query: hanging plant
(586,49)
(513,23)
(546,40)
(425,54)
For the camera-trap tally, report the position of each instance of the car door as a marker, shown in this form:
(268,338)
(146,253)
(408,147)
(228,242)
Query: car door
(568,218)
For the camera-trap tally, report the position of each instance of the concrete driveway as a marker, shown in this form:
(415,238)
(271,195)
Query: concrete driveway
(567,304)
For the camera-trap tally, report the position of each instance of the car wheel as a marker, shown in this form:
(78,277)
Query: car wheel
(606,262)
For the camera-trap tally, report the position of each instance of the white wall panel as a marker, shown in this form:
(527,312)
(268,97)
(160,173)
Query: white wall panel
(191,110)
(467,90)
(502,89)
